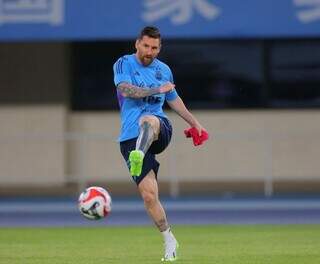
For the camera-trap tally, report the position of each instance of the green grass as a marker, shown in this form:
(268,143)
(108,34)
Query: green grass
(217,244)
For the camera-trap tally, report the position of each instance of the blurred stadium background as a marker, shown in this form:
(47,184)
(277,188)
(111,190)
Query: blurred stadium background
(250,71)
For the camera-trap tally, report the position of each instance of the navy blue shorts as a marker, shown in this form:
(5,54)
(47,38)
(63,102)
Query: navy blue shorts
(149,162)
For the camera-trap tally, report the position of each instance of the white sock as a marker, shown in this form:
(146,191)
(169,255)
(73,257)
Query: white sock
(167,235)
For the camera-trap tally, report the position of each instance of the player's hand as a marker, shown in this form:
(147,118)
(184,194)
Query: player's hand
(200,128)
(167,87)
(197,133)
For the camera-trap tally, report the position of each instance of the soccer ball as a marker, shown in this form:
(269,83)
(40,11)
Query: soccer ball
(94,203)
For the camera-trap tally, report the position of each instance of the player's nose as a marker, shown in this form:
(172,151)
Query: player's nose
(149,51)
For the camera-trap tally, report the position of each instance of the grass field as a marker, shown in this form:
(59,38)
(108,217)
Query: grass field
(293,244)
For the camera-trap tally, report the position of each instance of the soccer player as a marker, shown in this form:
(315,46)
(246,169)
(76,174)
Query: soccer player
(143,84)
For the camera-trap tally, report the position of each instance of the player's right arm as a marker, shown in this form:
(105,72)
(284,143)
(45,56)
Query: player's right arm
(132,91)
(123,82)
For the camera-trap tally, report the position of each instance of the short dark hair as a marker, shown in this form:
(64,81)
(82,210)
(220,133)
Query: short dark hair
(151,32)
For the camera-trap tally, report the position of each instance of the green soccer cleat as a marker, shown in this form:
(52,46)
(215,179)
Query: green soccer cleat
(136,161)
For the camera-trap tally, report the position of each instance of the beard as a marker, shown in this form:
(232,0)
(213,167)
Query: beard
(146,60)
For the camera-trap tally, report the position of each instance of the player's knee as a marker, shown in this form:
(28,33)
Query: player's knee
(149,197)
(152,120)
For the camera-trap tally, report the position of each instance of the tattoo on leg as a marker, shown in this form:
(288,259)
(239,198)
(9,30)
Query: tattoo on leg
(162,224)
(145,138)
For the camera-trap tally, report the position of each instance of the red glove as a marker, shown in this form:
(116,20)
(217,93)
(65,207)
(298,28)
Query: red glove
(194,133)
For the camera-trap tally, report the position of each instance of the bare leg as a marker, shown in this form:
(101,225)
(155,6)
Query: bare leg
(146,137)
(149,130)
(148,189)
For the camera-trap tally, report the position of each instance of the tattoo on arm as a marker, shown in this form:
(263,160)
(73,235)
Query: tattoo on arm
(129,90)
(162,224)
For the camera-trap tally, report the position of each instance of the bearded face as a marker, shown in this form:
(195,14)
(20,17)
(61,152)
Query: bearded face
(147,49)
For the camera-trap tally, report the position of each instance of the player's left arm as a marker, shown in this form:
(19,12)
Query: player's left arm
(179,107)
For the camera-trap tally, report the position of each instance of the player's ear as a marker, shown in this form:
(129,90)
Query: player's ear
(136,44)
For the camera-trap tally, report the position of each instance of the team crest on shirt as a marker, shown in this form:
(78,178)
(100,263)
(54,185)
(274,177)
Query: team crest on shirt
(158,75)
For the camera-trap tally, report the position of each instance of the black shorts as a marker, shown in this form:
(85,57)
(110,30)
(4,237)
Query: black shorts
(149,161)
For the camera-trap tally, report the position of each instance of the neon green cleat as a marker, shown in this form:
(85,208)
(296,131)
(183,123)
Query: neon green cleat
(136,161)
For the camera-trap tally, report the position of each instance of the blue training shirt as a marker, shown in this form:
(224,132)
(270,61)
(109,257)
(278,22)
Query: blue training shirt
(129,69)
